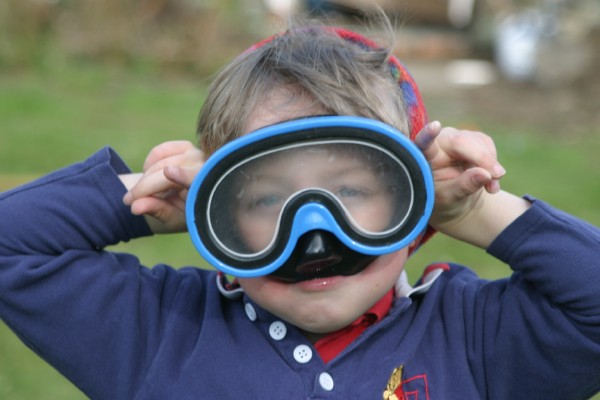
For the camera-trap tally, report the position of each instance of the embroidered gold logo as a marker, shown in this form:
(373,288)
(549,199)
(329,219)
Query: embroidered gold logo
(393,384)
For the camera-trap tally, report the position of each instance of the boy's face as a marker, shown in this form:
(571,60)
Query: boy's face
(326,304)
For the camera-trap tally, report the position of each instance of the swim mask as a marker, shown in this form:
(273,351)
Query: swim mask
(350,182)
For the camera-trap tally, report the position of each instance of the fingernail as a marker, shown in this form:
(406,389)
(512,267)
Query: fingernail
(434,125)
(498,171)
(127,198)
(481,180)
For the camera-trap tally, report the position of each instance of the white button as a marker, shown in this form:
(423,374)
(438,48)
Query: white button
(277,330)
(250,312)
(326,381)
(302,353)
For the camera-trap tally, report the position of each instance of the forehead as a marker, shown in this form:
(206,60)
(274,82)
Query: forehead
(281,105)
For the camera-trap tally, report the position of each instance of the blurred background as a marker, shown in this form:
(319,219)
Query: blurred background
(79,75)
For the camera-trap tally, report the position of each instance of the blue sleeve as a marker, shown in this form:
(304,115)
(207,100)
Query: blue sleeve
(78,207)
(96,316)
(541,327)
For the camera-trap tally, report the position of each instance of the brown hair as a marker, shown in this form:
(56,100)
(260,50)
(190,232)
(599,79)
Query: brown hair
(342,77)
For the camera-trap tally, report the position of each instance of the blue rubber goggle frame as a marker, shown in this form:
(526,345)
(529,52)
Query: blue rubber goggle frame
(311,215)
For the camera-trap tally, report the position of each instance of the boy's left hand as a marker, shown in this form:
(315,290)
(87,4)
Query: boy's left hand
(464,166)
(469,204)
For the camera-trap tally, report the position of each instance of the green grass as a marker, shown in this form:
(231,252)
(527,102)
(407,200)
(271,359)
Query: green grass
(57,118)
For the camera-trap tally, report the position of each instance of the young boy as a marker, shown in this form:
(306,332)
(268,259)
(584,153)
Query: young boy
(119,330)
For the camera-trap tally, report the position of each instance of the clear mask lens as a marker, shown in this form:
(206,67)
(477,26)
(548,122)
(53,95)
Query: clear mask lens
(371,188)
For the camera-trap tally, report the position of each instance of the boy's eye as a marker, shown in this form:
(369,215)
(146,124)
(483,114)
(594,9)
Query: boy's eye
(349,192)
(266,202)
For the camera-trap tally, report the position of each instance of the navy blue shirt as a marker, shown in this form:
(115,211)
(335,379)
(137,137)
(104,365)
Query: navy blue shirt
(119,330)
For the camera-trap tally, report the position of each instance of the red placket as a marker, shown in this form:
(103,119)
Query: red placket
(331,345)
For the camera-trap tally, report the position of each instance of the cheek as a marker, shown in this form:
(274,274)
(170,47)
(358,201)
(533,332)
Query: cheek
(386,269)
(376,217)
(256,234)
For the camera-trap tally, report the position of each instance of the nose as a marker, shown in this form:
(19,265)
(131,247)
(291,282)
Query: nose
(319,254)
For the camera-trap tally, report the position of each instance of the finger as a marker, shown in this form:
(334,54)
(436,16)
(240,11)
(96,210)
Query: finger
(166,150)
(161,209)
(151,184)
(162,216)
(426,139)
(466,184)
(191,158)
(473,148)
(183,176)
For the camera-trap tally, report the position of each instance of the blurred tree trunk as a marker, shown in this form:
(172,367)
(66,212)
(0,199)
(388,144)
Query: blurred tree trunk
(195,35)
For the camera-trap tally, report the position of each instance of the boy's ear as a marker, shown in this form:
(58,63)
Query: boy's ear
(413,245)
(420,240)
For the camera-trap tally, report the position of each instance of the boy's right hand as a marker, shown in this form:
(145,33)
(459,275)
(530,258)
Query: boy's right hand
(159,193)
